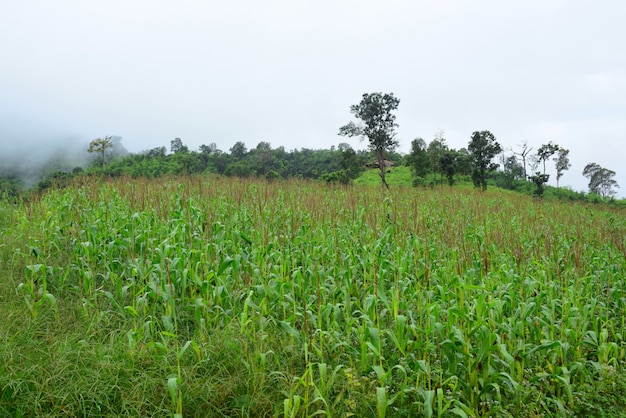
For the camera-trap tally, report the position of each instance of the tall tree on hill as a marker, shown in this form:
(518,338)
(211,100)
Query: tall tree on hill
(524,153)
(378,125)
(177,146)
(483,147)
(100,145)
(562,164)
(239,151)
(545,152)
(600,180)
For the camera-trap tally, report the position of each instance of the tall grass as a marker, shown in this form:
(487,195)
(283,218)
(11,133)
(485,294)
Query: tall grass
(225,297)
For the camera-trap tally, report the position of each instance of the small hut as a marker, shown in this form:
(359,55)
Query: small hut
(374,164)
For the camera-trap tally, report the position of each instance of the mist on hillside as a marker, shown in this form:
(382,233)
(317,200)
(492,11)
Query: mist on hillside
(31,159)
(30,154)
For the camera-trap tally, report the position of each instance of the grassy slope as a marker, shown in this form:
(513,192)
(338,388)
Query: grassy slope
(397,176)
(401,176)
(226,297)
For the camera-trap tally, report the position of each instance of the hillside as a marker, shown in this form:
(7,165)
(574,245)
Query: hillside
(401,176)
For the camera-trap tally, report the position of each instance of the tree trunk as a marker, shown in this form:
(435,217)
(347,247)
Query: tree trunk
(381,166)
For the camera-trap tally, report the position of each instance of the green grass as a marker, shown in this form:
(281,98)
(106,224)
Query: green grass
(397,176)
(225,297)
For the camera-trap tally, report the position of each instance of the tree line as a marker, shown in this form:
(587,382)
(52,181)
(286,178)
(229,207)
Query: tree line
(340,163)
(483,161)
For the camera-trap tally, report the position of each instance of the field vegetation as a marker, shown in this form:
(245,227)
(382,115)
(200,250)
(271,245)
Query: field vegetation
(215,296)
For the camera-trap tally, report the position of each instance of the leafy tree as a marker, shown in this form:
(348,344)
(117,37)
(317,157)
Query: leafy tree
(524,153)
(533,162)
(157,152)
(336,176)
(483,147)
(58,180)
(418,158)
(298,164)
(463,162)
(280,160)
(436,149)
(350,164)
(208,149)
(448,165)
(514,167)
(239,151)
(545,152)
(177,146)
(600,180)
(540,180)
(239,169)
(272,175)
(218,162)
(343,146)
(204,157)
(263,159)
(100,145)
(10,187)
(189,162)
(562,164)
(512,170)
(378,125)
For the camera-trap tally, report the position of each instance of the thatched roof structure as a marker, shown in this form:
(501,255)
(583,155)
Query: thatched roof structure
(374,164)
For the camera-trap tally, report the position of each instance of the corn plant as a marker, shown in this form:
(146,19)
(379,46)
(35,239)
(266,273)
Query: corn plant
(296,298)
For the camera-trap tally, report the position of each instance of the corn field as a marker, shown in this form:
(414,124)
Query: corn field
(214,296)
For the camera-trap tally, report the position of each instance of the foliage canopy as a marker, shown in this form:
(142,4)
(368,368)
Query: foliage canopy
(483,147)
(100,145)
(601,180)
(378,125)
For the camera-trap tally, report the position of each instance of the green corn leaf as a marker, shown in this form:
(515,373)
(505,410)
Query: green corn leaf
(227,262)
(545,346)
(381,402)
(428,398)
(290,330)
(245,238)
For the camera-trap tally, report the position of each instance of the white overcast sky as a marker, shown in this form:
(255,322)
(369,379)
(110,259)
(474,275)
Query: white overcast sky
(287,71)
